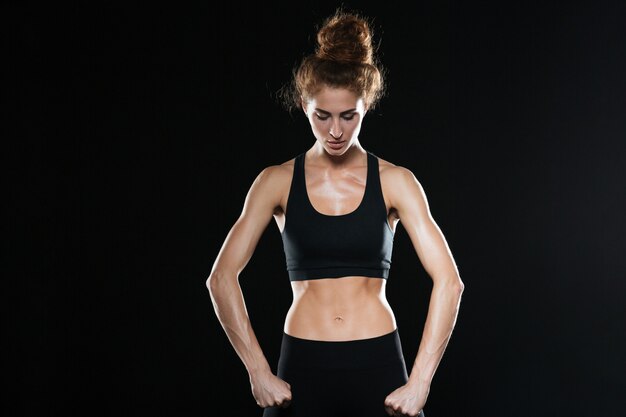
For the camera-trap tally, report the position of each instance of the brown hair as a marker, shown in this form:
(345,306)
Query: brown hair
(344,58)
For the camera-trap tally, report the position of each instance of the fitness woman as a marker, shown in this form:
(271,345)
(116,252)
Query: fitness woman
(337,206)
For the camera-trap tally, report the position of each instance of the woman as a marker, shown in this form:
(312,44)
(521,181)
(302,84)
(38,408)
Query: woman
(337,206)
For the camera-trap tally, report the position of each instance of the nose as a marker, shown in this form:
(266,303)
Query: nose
(336,137)
(335,130)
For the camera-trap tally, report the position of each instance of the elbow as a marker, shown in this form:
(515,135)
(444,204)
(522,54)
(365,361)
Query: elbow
(217,279)
(212,281)
(452,284)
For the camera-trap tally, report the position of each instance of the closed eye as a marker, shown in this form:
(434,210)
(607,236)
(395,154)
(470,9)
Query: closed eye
(344,117)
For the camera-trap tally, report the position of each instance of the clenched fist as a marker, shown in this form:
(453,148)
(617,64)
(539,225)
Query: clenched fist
(269,390)
(407,401)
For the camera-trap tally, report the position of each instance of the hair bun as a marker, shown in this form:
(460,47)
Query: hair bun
(343,58)
(345,37)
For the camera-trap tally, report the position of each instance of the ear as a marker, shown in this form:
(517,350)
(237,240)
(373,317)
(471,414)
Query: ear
(303,104)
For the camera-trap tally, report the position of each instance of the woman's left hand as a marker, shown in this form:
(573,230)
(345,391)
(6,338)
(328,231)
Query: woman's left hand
(407,400)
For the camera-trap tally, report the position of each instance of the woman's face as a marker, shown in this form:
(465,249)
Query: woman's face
(335,115)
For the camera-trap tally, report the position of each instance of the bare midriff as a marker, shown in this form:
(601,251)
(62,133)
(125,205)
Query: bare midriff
(339,309)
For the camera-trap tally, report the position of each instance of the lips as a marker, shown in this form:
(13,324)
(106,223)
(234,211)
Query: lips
(334,144)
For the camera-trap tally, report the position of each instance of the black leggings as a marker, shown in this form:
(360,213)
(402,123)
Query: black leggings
(340,378)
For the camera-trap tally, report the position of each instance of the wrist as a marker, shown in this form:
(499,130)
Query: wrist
(258,370)
(418,382)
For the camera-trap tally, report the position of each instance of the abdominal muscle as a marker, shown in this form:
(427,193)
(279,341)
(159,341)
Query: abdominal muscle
(338,309)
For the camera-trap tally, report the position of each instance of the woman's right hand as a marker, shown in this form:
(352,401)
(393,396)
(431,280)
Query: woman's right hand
(269,390)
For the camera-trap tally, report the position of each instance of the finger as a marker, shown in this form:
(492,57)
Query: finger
(398,413)
(286,402)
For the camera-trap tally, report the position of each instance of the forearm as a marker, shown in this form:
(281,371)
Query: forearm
(231,311)
(442,313)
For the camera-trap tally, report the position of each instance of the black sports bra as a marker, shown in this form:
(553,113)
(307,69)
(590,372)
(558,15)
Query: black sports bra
(318,246)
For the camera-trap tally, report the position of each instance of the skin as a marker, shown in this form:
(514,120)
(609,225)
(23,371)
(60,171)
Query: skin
(346,308)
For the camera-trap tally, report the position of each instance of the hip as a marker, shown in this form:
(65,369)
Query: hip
(307,355)
(340,378)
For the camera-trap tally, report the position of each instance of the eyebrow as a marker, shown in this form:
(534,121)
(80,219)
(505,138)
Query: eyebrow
(327,112)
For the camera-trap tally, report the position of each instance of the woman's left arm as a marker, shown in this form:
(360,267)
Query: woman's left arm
(409,199)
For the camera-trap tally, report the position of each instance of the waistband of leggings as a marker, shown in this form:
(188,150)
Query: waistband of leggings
(346,354)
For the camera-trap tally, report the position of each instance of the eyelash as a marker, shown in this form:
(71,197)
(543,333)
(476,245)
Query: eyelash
(325,118)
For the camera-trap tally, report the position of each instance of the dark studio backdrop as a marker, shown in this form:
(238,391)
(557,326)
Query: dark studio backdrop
(132,134)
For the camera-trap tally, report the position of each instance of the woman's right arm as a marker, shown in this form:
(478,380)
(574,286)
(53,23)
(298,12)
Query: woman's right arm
(223,284)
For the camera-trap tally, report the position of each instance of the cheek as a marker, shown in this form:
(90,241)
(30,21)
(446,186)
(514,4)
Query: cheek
(319,125)
(349,127)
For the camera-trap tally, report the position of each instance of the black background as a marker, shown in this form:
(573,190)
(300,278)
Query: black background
(132,134)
